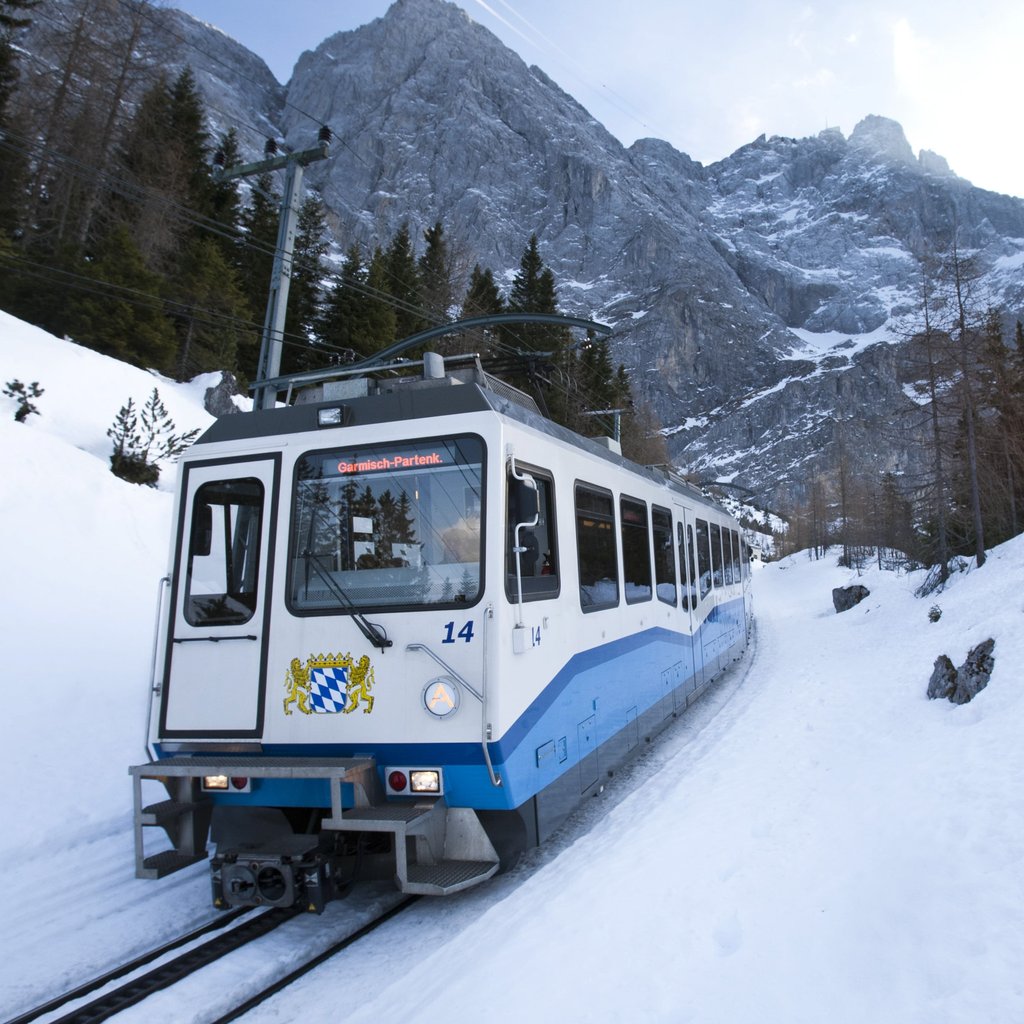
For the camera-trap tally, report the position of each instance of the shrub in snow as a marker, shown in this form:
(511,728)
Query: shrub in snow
(141,440)
(23,394)
(934,613)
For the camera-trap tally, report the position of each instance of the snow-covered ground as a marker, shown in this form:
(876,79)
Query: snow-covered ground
(815,842)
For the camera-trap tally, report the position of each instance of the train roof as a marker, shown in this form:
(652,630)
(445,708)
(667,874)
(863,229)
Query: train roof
(365,401)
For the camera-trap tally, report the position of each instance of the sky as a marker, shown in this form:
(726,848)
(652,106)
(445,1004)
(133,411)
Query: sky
(813,841)
(711,77)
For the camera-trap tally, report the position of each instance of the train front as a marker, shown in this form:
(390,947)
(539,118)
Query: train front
(320,704)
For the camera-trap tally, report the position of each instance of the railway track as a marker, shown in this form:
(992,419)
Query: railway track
(140,986)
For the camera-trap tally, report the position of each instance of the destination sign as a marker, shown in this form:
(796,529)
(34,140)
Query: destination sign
(416,460)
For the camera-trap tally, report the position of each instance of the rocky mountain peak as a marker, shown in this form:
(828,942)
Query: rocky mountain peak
(755,301)
(882,139)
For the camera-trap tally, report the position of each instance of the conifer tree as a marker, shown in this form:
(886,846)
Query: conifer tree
(533,291)
(123,316)
(13,168)
(256,262)
(190,146)
(303,313)
(437,292)
(482,299)
(226,200)
(355,319)
(402,282)
(210,310)
(381,324)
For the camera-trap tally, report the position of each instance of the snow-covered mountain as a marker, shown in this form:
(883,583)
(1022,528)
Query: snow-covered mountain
(756,301)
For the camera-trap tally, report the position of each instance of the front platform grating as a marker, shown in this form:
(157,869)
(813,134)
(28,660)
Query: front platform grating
(256,767)
(448,876)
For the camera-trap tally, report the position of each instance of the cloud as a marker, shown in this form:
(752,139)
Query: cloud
(959,90)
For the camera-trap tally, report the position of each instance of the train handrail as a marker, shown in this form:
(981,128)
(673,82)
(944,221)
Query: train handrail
(495,778)
(154,688)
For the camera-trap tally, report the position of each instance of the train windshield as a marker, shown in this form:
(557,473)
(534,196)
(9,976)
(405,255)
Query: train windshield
(387,526)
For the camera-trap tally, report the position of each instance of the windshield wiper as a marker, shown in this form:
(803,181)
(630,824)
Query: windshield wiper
(377,635)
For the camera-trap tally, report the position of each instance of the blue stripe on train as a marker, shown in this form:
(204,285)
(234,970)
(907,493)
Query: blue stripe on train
(595,695)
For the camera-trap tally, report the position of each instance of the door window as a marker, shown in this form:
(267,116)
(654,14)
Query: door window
(222,576)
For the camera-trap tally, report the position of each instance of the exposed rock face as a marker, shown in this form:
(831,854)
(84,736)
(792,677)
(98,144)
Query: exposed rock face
(755,300)
(963,684)
(973,675)
(219,400)
(943,679)
(844,598)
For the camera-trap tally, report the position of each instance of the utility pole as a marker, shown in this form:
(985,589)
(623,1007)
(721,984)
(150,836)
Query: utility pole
(272,339)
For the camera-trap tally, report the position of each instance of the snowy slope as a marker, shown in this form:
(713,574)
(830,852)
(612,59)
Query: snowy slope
(815,841)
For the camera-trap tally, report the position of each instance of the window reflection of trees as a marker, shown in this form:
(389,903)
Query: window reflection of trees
(392,537)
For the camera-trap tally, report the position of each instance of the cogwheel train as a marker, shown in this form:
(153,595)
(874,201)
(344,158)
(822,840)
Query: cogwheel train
(409,624)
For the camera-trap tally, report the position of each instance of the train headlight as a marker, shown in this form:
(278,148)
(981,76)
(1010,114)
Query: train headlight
(414,781)
(225,783)
(336,417)
(425,780)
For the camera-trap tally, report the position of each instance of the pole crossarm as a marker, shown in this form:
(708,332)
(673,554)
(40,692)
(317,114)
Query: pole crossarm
(304,158)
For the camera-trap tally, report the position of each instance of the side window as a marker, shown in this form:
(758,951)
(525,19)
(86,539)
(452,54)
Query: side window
(736,571)
(538,563)
(716,554)
(222,576)
(704,558)
(595,542)
(664,556)
(636,550)
(726,557)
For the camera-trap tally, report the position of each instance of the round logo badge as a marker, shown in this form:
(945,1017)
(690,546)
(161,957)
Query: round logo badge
(441,697)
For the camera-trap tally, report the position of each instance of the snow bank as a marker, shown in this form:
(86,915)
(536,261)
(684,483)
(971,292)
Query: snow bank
(815,841)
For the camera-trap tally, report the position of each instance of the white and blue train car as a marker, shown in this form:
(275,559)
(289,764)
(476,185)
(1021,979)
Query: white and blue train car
(407,626)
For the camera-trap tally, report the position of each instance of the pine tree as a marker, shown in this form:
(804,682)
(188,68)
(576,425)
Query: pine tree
(189,147)
(303,313)
(13,167)
(437,292)
(533,291)
(482,299)
(355,322)
(209,309)
(256,263)
(226,200)
(380,327)
(122,316)
(403,284)
(341,307)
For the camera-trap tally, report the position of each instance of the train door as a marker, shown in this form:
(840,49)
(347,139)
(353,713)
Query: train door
(688,587)
(214,668)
